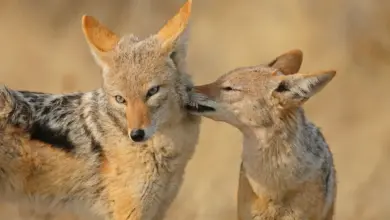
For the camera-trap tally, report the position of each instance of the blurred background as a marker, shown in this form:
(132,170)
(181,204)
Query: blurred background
(43,49)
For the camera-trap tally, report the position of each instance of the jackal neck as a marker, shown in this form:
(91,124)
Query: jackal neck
(284,131)
(282,155)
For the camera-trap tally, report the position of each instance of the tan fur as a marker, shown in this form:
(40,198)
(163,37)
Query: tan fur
(33,167)
(287,170)
(96,168)
(137,114)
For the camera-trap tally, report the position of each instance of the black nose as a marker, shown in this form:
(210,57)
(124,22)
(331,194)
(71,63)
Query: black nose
(137,135)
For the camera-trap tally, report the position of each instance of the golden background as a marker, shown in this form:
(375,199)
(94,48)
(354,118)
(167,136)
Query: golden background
(42,48)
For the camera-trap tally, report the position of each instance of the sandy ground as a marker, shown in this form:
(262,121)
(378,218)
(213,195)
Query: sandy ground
(43,48)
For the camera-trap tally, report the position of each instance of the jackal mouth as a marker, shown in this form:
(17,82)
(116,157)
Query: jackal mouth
(199,108)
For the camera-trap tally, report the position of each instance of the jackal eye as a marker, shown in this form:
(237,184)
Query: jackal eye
(152,91)
(119,99)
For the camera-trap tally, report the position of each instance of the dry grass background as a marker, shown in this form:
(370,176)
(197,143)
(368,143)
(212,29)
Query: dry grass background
(42,48)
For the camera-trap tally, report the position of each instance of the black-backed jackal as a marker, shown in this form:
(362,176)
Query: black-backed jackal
(119,151)
(287,169)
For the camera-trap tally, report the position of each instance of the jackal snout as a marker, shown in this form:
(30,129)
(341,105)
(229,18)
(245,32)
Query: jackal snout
(206,102)
(138,121)
(199,102)
(210,90)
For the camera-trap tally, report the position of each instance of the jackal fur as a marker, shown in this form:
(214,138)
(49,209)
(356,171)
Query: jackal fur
(75,151)
(287,169)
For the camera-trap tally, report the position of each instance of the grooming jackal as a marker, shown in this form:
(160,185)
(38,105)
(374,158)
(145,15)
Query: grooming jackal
(119,151)
(287,169)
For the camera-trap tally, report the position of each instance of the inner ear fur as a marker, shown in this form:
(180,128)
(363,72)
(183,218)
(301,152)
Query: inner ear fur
(100,39)
(298,88)
(174,37)
(175,27)
(98,35)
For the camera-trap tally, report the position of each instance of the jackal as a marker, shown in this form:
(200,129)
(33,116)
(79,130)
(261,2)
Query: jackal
(287,169)
(119,151)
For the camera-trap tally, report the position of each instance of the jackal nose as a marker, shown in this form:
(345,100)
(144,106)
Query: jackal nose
(137,135)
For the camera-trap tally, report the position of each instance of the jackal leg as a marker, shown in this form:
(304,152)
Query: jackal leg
(29,213)
(171,193)
(124,205)
(330,214)
(245,197)
(124,208)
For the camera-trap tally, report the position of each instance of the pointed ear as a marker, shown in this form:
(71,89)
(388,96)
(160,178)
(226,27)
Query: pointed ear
(174,36)
(289,62)
(297,88)
(169,34)
(100,39)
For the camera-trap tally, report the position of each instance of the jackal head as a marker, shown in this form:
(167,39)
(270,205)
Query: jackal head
(259,95)
(144,79)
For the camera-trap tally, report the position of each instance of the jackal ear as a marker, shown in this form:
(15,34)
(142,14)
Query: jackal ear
(289,62)
(100,39)
(298,88)
(6,101)
(179,52)
(174,35)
